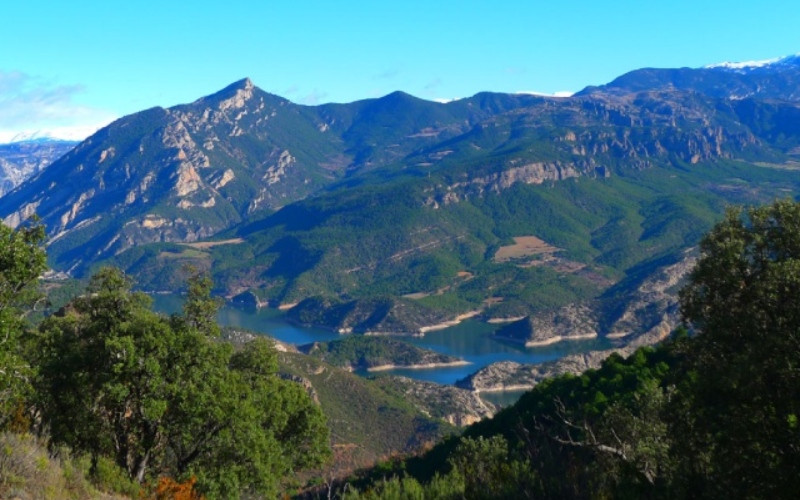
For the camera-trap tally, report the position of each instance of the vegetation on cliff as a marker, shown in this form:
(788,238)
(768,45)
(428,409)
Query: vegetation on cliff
(709,415)
(133,396)
(359,352)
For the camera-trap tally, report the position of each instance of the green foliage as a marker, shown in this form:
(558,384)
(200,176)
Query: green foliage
(484,467)
(159,396)
(739,432)
(22,260)
(374,314)
(29,470)
(367,423)
(108,476)
(711,416)
(200,308)
(602,434)
(364,352)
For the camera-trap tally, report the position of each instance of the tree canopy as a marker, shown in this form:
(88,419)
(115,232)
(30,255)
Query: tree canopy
(740,422)
(22,261)
(711,413)
(161,396)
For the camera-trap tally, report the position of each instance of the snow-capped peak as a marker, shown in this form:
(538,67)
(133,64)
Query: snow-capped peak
(75,133)
(746,65)
(31,136)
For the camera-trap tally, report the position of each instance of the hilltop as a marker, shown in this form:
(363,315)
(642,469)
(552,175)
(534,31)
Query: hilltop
(396,214)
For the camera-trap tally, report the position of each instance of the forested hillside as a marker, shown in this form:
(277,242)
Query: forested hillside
(397,214)
(711,413)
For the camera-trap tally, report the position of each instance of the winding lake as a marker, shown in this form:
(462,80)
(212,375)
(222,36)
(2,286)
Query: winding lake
(470,340)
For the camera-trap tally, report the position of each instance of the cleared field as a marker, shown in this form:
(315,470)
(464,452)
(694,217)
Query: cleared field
(203,245)
(524,246)
(189,253)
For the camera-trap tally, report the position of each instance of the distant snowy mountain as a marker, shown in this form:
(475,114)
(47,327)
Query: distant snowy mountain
(764,79)
(75,133)
(774,63)
(23,158)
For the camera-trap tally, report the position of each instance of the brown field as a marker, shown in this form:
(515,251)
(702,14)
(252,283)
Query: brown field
(203,245)
(524,246)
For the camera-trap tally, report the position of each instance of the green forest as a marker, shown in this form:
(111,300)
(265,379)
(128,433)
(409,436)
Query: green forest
(138,403)
(107,396)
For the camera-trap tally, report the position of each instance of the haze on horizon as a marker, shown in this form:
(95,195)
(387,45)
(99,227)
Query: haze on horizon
(71,68)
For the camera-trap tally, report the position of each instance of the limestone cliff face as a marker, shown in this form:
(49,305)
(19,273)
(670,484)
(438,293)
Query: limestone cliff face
(455,405)
(231,157)
(571,322)
(650,311)
(168,175)
(644,314)
(510,375)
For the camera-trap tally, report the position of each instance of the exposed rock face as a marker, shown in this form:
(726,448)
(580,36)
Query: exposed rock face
(304,383)
(455,405)
(510,375)
(232,156)
(278,171)
(532,173)
(652,307)
(644,314)
(571,322)
(15,219)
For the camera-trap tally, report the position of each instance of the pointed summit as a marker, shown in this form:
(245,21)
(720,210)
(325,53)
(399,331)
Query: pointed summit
(234,95)
(245,84)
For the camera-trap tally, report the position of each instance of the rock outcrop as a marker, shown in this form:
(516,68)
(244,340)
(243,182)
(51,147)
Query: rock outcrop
(457,406)
(510,375)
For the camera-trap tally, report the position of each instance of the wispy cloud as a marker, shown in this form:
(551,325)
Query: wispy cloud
(558,93)
(386,75)
(433,84)
(313,98)
(29,104)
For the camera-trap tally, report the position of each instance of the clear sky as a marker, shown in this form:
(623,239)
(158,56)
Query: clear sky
(71,66)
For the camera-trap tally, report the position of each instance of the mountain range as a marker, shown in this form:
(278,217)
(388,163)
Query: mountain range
(573,216)
(20,160)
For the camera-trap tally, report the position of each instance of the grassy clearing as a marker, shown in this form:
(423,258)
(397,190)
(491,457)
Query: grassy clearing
(524,246)
(203,245)
(189,253)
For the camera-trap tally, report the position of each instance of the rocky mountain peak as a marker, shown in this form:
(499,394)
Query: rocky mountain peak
(234,96)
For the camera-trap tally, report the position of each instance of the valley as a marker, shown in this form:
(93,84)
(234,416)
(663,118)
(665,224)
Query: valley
(398,269)
(558,220)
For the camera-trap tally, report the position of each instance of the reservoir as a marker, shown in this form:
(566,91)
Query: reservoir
(470,340)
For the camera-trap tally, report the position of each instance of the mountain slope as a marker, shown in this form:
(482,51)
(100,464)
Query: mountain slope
(188,172)
(775,79)
(355,205)
(20,160)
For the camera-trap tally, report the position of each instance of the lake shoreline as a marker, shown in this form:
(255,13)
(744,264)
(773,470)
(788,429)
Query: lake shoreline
(422,366)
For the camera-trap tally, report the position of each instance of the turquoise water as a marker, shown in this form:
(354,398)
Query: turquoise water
(470,340)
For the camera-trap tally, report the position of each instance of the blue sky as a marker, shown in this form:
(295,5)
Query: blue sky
(69,67)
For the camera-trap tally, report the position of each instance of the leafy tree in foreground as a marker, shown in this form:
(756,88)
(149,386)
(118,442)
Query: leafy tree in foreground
(160,396)
(740,423)
(22,260)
